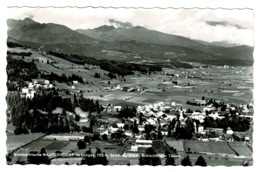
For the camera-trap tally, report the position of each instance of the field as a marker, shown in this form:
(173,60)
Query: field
(110,147)
(178,145)
(209,147)
(241,148)
(231,85)
(16,141)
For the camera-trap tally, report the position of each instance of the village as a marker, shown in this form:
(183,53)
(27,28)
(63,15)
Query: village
(70,111)
(165,123)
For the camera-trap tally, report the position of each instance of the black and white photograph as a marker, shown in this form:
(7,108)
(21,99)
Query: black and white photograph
(104,85)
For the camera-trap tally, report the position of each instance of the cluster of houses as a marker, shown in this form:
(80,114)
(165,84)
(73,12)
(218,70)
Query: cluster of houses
(127,88)
(35,85)
(162,113)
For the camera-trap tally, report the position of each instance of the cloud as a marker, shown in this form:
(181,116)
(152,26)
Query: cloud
(234,26)
(223,23)
(120,24)
(30,16)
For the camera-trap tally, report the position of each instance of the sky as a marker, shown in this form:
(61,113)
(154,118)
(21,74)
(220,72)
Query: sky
(232,26)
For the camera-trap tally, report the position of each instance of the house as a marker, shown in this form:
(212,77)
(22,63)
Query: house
(143,143)
(158,114)
(173,104)
(201,129)
(164,133)
(41,82)
(141,128)
(112,129)
(229,131)
(30,94)
(75,82)
(134,148)
(129,134)
(31,85)
(25,90)
(120,125)
(50,85)
(117,108)
(151,121)
(246,138)
(125,88)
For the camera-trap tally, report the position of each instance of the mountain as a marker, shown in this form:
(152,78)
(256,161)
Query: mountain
(218,43)
(104,28)
(141,34)
(138,33)
(28,30)
(125,44)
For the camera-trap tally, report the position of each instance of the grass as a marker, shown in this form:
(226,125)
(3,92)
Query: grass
(241,149)
(160,147)
(56,145)
(208,147)
(176,144)
(15,141)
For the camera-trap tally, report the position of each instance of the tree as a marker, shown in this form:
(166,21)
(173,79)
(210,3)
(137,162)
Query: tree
(104,137)
(32,158)
(141,160)
(77,118)
(44,159)
(96,136)
(100,158)
(135,129)
(81,144)
(38,158)
(159,134)
(169,159)
(151,157)
(201,162)
(88,158)
(126,127)
(87,139)
(186,161)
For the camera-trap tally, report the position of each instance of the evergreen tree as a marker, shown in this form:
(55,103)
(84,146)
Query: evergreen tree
(159,134)
(141,160)
(88,158)
(169,159)
(186,161)
(151,157)
(201,162)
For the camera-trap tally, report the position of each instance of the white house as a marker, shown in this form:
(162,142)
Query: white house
(30,94)
(120,125)
(117,108)
(143,143)
(75,82)
(30,85)
(129,134)
(141,128)
(229,131)
(134,148)
(112,130)
(201,129)
(164,133)
(25,90)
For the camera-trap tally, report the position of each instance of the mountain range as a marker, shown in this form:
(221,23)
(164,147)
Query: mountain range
(108,42)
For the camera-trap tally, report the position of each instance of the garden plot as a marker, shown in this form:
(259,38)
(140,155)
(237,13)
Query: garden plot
(209,147)
(241,148)
(178,145)
(16,141)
